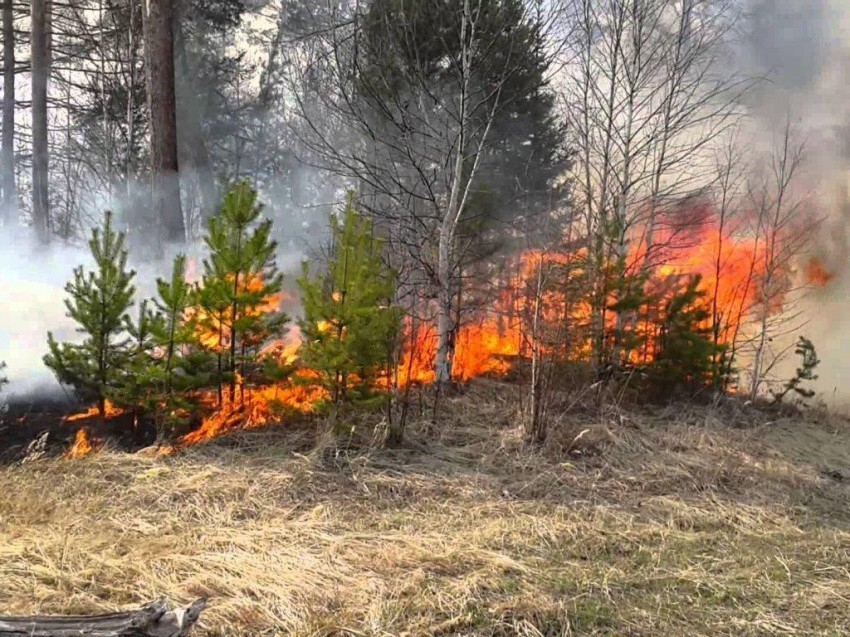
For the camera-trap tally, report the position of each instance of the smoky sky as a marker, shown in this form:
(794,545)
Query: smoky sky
(789,39)
(801,50)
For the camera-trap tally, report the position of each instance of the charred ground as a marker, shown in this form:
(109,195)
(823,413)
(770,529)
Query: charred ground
(38,425)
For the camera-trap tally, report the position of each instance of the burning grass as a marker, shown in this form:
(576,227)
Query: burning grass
(660,527)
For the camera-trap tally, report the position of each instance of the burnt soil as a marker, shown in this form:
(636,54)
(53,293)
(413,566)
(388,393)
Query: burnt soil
(26,420)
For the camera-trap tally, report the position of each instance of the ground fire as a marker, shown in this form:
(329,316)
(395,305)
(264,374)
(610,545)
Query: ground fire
(499,336)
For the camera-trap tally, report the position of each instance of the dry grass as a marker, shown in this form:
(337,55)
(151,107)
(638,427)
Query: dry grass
(660,528)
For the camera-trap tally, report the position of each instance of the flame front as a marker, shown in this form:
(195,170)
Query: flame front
(82,445)
(111,412)
(491,344)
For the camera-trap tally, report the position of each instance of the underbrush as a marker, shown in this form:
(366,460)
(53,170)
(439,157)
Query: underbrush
(669,521)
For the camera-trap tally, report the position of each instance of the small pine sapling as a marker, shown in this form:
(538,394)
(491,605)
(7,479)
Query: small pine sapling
(809,361)
(686,350)
(134,383)
(349,319)
(99,302)
(182,366)
(617,297)
(240,292)
(166,362)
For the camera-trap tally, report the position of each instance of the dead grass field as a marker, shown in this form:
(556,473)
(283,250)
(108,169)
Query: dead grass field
(671,523)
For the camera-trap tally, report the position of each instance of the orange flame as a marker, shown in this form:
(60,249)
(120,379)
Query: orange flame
(213,330)
(82,446)
(255,407)
(111,412)
(817,273)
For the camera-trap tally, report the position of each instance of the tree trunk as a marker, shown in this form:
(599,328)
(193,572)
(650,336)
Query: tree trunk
(130,167)
(40,153)
(9,206)
(165,180)
(757,363)
(192,139)
(442,364)
(536,423)
(153,620)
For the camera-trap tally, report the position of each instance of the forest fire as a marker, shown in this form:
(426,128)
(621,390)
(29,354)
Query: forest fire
(82,446)
(543,303)
(481,350)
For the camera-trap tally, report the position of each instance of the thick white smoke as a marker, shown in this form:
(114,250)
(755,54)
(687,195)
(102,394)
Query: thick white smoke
(32,279)
(802,47)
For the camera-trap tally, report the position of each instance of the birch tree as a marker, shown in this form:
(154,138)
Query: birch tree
(419,91)
(783,226)
(646,96)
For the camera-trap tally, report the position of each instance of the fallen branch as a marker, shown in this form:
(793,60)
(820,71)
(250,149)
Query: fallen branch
(152,620)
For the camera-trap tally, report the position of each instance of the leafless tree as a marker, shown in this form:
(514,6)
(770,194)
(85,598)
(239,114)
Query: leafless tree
(783,226)
(646,96)
(419,150)
(733,274)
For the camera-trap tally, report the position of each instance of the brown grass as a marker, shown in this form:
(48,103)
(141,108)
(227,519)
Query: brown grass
(657,528)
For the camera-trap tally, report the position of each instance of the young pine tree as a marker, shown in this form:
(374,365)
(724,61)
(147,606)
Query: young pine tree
(182,365)
(167,362)
(349,323)
(98,301)
(133,387)
(809,361)
(239,296)
(686,352)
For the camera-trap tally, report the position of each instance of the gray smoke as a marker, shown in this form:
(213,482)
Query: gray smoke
(802,49)
(33,278)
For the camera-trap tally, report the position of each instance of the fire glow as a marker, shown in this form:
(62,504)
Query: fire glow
(729,267)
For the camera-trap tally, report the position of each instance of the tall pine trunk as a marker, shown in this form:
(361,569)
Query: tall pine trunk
(9,207)
(130,166)
(40,154)
(162,104)
(192,139)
